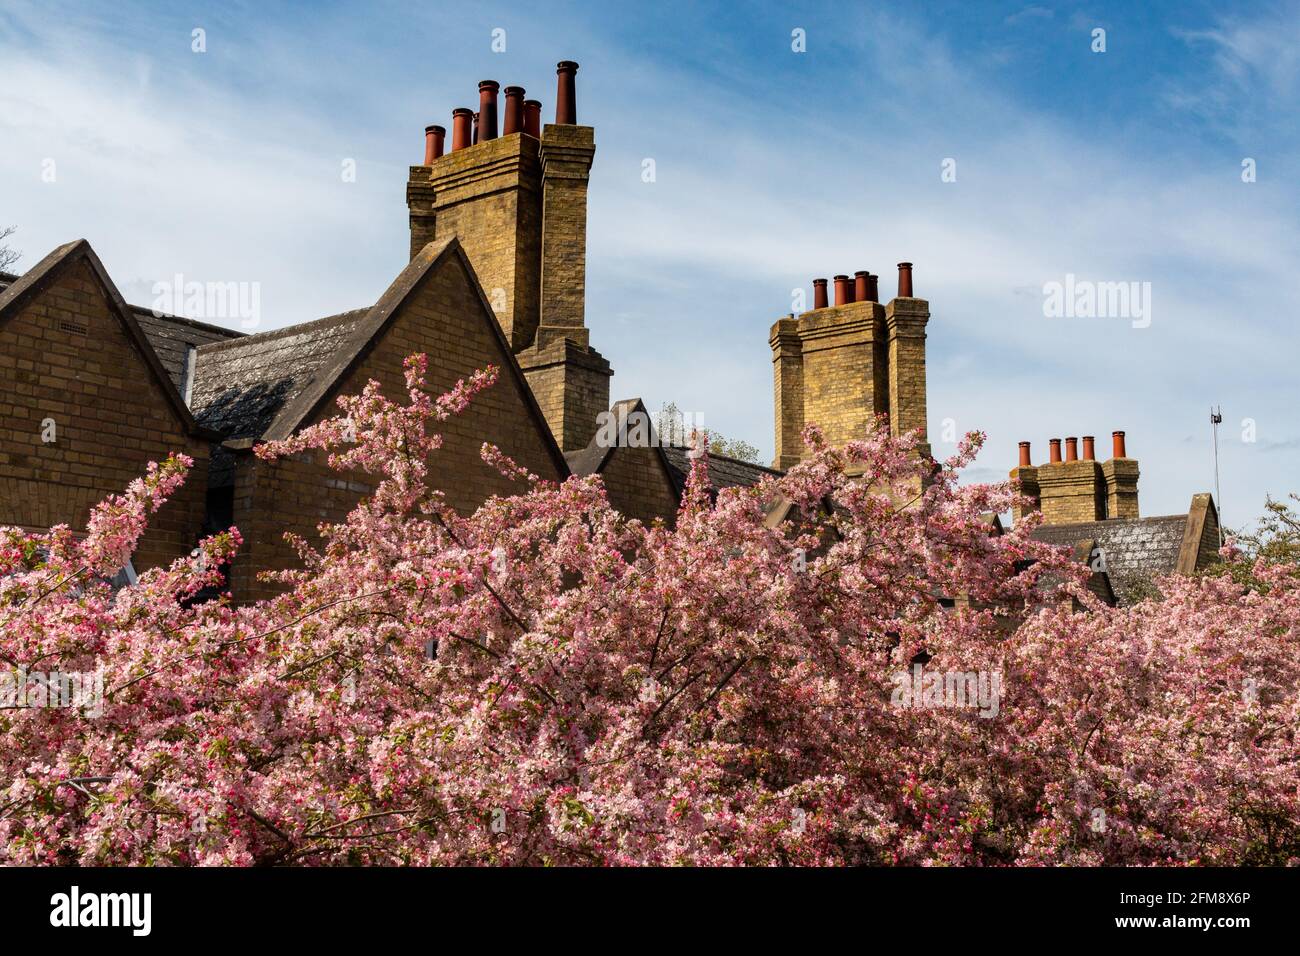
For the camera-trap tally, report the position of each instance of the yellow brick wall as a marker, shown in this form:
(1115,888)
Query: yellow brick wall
(110,413)
(638,486)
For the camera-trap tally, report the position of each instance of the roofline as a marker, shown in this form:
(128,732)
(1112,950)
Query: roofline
(379,317)
(192,323)
(38,278)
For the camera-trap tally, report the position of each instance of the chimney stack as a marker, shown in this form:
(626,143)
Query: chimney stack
(434,137)
(513,120)
(842,290)
(1121,481)
(1054,455)
(905,280)
(533,118)
(1074,491)
(1072,449)
(819,294)
(462,134)
(566,102)
(1089,449)
(487,110)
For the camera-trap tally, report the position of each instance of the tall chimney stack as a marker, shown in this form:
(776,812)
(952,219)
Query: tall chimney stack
(533,118)
(513,120)
(566,100)
(905,280)
(434,137)
(487,110)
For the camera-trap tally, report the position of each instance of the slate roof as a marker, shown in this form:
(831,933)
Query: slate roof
(1135,549)
(172,336)
(724,472)
(240,385)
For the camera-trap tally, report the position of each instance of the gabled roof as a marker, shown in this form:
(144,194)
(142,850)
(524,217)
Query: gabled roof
(19,291)
(1134,549)
(266,386)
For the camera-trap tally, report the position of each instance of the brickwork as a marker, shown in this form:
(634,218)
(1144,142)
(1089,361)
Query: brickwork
(1121,478)
(906,320)
(66,355)
(1029,487)
(567,153)
(442,318)
(787,388)
(1068,491)
(639,486)
(489,196)
(833,367)
(571,385)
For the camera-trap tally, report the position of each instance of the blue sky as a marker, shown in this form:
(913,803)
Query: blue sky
(772,167)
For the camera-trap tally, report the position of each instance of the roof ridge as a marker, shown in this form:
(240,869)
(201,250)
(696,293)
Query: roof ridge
(256,338)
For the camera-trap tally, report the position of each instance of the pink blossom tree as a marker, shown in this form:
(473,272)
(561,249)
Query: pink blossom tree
(544,681)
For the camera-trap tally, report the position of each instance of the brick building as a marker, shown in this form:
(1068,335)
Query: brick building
(93,388)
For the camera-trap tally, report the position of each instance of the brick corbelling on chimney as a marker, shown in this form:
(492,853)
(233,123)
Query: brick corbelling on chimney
(571,385)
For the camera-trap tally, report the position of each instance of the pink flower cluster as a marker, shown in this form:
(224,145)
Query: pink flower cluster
(546,682)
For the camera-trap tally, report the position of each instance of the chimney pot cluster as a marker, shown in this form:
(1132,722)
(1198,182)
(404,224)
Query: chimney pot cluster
(520,115)
(1072,449)
(861,287)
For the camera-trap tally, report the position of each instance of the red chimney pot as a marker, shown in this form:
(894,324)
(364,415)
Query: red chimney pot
(462,134)
(434,136)
(513,120)
(487,110)
(905,280)
(1089,448)
(1072,449)
(1054,456)
(533,118)
(1025,461)
(1118,440)
(861,287)
(873,288)
(566,101)
(842,290)
(819,294)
